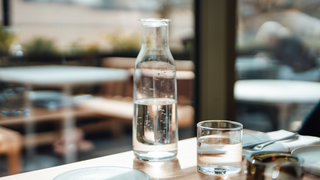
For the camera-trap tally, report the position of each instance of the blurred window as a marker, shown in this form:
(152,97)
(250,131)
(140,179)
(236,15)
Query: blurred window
(277,40)
(82,33)
(74,26)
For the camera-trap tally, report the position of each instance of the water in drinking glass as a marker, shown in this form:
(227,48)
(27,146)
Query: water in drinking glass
(219,154)
(13,98)
(154,125)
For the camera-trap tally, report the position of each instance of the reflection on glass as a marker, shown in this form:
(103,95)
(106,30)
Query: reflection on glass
(168,169)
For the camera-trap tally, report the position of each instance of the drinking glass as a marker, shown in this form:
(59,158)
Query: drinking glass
(13,98)
(274,165)
(219,147)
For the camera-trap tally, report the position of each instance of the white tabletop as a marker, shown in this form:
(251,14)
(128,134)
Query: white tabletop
(61,75)
(185,163)
(277,91)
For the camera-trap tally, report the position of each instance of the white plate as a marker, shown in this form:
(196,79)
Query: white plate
(103,173)
(311,156)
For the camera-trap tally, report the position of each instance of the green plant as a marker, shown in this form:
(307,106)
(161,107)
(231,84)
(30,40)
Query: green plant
(123,43)
(6,39)
(75,49)
(40,46)
(78,49)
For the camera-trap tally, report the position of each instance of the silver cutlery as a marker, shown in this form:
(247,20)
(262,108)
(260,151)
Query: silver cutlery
(252,144)
(263,145)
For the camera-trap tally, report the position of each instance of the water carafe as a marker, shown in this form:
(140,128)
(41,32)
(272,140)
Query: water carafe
(155,126)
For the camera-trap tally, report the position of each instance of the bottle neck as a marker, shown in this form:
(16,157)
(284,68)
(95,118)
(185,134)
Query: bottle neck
(154,36)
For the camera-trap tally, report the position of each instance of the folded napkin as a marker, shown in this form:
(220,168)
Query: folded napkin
(284,145)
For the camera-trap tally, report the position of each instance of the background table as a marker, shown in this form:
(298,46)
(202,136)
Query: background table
(284,94)
(277,91)
(183,167)
(65,78)
(59,76)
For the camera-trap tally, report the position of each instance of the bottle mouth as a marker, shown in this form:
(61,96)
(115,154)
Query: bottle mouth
(155,22)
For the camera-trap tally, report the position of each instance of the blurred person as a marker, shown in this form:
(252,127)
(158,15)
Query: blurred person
(311,124)
(77,140)
(296,61)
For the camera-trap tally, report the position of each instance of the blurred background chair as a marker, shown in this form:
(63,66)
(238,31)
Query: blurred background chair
(10,147)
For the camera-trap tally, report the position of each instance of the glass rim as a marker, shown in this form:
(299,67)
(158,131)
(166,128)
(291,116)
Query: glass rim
(251,157)
(154,20)
(199,125)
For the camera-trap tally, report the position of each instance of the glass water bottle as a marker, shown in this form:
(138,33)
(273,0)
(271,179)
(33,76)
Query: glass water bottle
(155,125)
